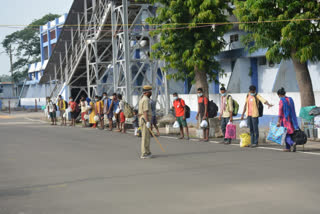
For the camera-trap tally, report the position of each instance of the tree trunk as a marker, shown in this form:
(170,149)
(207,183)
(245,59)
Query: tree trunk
(201,81)
(304,82)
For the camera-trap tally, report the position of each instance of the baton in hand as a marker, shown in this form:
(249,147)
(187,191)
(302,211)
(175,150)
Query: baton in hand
(154,135)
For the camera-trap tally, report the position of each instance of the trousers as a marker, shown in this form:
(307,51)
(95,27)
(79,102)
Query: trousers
(145,141)
(253,123)
(224,123)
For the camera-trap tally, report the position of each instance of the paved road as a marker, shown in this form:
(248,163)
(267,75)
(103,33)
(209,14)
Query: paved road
(59,170)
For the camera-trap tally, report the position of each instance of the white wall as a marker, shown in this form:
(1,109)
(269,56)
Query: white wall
(13,103)
(286,78)
(30,102)
(240,78)
(266,77)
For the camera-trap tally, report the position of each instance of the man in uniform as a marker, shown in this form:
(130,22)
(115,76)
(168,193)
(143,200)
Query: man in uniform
(145,115)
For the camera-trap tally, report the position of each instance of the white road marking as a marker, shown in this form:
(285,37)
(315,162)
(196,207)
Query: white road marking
(259,147)
(40,121)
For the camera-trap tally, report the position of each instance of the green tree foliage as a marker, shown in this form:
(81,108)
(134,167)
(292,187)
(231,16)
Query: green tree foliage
(5,78)
(25,46)
(188,41)
(289,29)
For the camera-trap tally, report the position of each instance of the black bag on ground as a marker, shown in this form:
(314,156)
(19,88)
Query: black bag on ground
(299,137)
(212,109)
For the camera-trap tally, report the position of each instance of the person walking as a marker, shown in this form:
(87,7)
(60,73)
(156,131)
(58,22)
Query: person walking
(62,105)
(287,118)
(73,111)
(154,121)
(226,112)
(99,110)
(251,109)
(145,116)
(52,111)
(180,111)
(84,110)
(202,114)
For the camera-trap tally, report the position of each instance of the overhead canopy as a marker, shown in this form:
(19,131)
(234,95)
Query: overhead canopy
(65,35)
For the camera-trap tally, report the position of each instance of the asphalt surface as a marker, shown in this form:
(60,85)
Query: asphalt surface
(57,170)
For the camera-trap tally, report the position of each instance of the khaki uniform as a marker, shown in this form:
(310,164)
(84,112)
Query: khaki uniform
(144,105)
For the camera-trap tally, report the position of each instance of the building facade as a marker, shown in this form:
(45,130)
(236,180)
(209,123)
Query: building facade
(49,35)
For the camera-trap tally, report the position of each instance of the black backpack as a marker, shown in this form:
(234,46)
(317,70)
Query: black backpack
(299,137)
(66,103)
(212,109)
(260,108)
(187,113)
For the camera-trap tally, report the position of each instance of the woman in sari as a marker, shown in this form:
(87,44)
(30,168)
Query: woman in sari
(287,118)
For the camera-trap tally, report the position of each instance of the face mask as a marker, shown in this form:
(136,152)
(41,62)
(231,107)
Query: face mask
(71,100)
(200,94)
(252,94)
(96,100)
(224,94)
(175,98)
(104,97)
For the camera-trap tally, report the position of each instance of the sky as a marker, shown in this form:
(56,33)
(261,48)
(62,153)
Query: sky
(23,12)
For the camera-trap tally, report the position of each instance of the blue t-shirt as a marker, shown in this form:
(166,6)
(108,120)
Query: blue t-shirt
(115,105)
(107,102)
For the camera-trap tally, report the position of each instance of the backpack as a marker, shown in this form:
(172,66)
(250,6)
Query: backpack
(260,108)
(212,109)
(187,110)
(66,104)
(128,110)
(299,137)
(187,113)
(235,106)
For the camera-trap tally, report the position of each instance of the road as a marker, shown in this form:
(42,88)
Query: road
(62,170)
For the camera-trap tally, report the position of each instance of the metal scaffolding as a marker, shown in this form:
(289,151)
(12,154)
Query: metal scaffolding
(105,45)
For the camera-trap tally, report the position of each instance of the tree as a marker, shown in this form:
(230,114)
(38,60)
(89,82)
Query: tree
(289,29)
(188,41)
(25,46)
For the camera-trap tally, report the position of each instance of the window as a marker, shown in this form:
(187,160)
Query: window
(234,38)
(262,61)
(52,34)
(53,46)
(46,54)
(45,38)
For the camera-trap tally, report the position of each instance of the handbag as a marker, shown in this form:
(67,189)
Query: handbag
(277,134)
(231,131)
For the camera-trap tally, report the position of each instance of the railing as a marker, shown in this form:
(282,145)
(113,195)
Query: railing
(85,31)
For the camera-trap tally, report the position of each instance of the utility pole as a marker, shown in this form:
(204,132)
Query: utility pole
(11,69)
